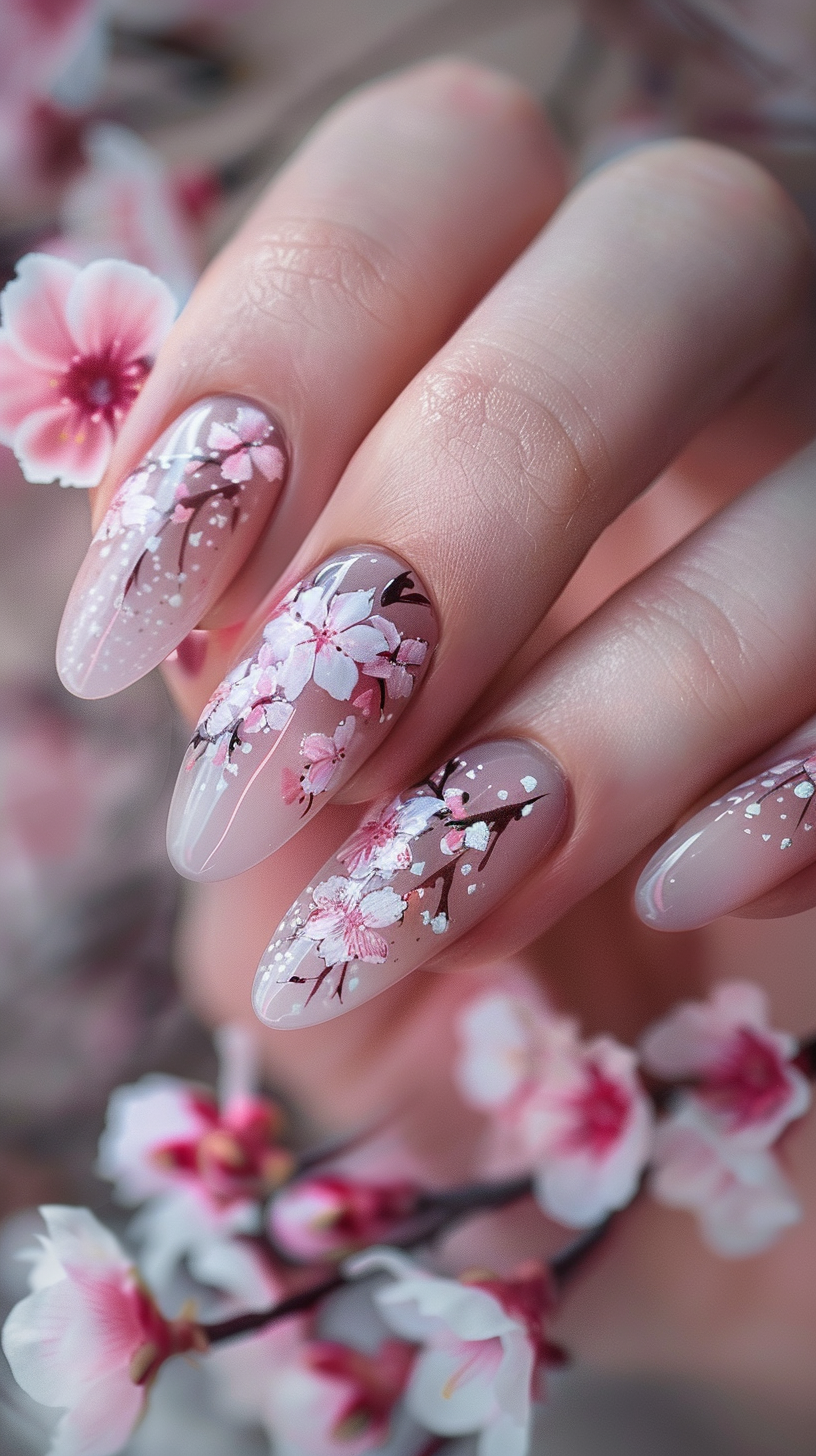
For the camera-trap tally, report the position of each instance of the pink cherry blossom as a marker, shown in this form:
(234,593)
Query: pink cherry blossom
(482,1346)
(506,1042)
(383,843)
(89,1337)
(243,445)
(163,1134)
(324,636)
(329,1399)
(75,348)
(324,755)
(132,506)
(742,1069)
(346,919)
(740,1195)
(392,668)
(330,1214)
(587,1125)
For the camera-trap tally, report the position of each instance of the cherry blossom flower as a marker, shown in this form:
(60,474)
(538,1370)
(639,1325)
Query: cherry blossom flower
(392,668)
(346,919)
(133,505)
(506,1041)
(383,843)
(204,1167)
(246,699)
(330,1214)
(323,756)
(587,1125)
(326,637)
(742,1069)
(482,1346)
(742,1199)
(243,445)
(75,348)
(329,1399)
(89,1336)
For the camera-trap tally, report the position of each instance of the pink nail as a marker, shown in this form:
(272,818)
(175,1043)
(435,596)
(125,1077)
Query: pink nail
(173,537)
(314,694)
(420,870)
(745,843)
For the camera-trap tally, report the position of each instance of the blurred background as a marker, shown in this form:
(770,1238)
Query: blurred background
(144,129)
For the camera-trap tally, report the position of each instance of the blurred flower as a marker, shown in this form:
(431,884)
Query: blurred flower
(482,1341)
(89,1336)
(206,1165)
(75,348)
(41,41)
(744,1082)
(329,1215)
(742,1200)
(505,1040)
(587,1126)
(328,1399)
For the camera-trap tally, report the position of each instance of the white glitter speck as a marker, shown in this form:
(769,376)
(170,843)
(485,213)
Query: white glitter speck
(752,811)
(786,844)
(417,867)
(502,794)
(803,791)
(528,783)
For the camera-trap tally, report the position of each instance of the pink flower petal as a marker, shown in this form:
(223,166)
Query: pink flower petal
(24,388)
(269,460)
(237,467)
(221,437)
(316,746)
(120,305)
(251,425)
(33,310)
(103,1418)
(290,786)
(52,445)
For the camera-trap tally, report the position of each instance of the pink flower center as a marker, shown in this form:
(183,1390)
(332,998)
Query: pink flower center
(750,1083)
(103,387)
(602,1109)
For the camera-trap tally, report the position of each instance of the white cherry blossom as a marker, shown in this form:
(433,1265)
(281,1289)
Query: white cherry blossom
(89,1338)
(317,634)
(383,843)
(740,1195)
(347,917)
(244,449)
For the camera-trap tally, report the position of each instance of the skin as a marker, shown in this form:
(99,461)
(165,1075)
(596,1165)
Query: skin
(494,416)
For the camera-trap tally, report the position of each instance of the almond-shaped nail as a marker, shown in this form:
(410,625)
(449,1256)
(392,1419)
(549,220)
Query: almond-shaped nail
(421,869)
(312,696)
(174,535)
(742,845)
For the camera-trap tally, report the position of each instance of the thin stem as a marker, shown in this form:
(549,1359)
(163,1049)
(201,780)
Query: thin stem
(258,1319)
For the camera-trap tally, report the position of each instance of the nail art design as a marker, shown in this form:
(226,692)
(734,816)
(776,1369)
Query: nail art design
(740,846)
(421,869)
(173,536)
(321,685)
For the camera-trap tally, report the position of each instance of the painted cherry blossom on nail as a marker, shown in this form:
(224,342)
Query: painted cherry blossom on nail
(483,1347)
(740,1071)
(89,1338)
(76,346)
(420,867)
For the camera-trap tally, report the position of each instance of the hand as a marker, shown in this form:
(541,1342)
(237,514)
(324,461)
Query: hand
(492,415)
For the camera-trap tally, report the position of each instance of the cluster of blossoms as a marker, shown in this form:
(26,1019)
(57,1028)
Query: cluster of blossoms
(321,636)
(582,1114)
(246,1253)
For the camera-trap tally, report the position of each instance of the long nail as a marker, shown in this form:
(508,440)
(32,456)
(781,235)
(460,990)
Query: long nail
(314,694)
(171,540)
(745,843)
(420,870)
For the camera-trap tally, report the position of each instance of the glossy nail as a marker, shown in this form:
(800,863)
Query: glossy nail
(173,537)
(742,845)
(420,870)
(313,695)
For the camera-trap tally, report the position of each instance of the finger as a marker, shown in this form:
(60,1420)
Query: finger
(683,673)
(487,481)
(373,243)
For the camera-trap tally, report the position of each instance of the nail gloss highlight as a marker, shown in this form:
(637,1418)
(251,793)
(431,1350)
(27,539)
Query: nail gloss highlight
(174,535)
(419,871)
(745,843)
(314,694)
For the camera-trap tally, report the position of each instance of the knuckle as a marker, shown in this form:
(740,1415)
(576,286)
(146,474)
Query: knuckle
(319,274)
(515,437)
